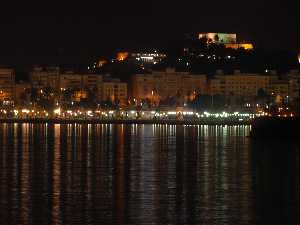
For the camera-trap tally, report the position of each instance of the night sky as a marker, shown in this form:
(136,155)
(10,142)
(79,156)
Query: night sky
(70,33)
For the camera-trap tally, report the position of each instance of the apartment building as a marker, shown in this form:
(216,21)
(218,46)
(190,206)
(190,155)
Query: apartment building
(114,90)
(7,85)
(41,77)
(167,83)
(238,84)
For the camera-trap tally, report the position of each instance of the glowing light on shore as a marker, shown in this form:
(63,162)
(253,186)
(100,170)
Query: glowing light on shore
(25,111)
(57,111)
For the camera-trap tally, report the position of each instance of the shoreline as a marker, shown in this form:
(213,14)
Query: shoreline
(120,121)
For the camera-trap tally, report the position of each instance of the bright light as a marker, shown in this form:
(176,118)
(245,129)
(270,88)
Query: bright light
(188,113)
(57,111)
(25,111)
(206,114)
(147,57)
(171,113)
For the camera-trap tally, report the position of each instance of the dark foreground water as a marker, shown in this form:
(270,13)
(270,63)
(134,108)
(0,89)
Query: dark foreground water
(145,174)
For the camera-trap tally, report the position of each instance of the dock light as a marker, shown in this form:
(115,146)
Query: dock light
(236,113)
(171,113)
(207,114)
(57,111)
(132,112)
(25,111)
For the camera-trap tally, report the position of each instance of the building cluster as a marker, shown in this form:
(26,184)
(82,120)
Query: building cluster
(157,86)
(153,87)
(150,58)
(56,82)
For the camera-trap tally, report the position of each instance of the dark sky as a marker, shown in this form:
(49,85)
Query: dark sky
(70,32)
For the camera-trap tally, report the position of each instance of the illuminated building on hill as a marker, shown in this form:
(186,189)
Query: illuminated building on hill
(142,57)
(149,58)
(229,40)
(219,38)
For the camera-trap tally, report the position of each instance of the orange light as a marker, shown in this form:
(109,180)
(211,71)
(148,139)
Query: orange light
(101,62)
(121,56)
(246,46)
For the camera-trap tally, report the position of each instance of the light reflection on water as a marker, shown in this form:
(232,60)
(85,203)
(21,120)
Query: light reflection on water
(144,174)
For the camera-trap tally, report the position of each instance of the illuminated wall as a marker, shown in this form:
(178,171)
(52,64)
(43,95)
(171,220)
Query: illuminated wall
(247,46)
(299,57)
(219,37)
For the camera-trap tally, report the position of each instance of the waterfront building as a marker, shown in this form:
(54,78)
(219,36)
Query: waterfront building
(42,77)
(114,90)
(279,88)
(80,83)
(238,84)
(70,80)
(294,84)
(160,85)
(7,86)
(22,93)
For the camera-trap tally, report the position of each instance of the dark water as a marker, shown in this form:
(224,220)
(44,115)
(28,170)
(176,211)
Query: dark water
(145,174)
